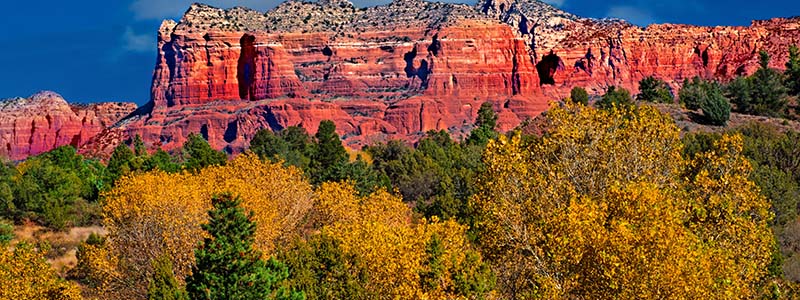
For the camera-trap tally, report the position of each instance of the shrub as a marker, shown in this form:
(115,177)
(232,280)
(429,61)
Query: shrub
(716,108)
(707,96)
(655,90)
(579,95)
(615,97)
(762,94)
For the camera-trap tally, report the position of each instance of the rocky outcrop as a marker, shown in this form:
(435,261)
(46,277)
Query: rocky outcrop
(392,71)
(29,126)
(400,69)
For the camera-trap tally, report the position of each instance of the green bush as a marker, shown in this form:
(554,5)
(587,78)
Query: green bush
(615,97)
(655,90)
(579,95)
(762,94)
(716,108)
(708,97)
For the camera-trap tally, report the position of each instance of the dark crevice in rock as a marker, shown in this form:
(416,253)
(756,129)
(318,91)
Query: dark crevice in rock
(33,130)
(703,55)
(523,26)
(389,49)
(515,77)
(76,140)
(586,63)
(204,131)
(435,45)
(272,121)
(231,132)
(409,58)
(547,68)
(327,51)
(246,71)
(423,72)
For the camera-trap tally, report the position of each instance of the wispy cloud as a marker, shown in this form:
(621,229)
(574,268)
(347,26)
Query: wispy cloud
(631,14)
(134,42)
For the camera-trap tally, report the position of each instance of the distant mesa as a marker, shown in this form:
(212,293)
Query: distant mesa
(43,121)
(393,71)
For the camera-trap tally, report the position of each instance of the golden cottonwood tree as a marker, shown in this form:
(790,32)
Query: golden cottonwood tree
(25,274)
(602,206)
(380,231)
(152,214)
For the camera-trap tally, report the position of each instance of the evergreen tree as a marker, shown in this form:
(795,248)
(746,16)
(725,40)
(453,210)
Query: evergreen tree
(615,97)
(655,90)
(161,160)
(323,270)
(485,125)
(329,155)
(716,108)
(762,94)
(793,71)
(268,145)
(138,146)
(164,286)
(120,162)
(198,154)
(227,266)
(707,96)
(579,95)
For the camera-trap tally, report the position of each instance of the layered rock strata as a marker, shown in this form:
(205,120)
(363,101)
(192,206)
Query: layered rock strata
(39,123)
(401,69)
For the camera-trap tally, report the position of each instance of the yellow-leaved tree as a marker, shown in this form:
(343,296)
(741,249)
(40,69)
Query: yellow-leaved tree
(153,214)
(405,259)
(25,274)
(603,206)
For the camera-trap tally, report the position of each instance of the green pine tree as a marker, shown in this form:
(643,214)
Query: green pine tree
(329,155)
(198,154)
(485,125)
(655,90)
(767,95)
(227,266)
(793,71)
(163,285)
(120,162)
(138,146)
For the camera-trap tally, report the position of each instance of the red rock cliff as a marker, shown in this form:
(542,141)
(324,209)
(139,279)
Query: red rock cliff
(29,126)
(398,70)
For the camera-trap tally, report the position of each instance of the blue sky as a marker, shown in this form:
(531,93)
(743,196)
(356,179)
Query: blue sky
(92,50)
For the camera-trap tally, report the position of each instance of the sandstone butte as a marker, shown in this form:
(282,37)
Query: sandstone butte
(29,126)
(393,71)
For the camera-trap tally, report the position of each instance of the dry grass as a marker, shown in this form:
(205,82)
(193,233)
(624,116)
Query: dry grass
(60,246)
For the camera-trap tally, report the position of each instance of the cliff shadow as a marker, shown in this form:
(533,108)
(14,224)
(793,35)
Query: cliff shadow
(246,67)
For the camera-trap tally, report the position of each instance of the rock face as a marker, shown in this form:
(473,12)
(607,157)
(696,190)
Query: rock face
(398,70)
(29,126)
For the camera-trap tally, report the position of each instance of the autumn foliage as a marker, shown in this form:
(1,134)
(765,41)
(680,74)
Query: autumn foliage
(24,274)
(603,206)
(152,214)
